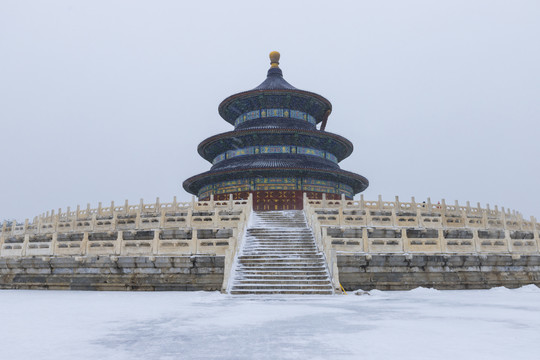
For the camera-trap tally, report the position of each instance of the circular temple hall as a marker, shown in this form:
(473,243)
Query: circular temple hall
(275,152)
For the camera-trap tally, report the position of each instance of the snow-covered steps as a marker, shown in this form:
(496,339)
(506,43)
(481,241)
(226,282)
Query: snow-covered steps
(279,256)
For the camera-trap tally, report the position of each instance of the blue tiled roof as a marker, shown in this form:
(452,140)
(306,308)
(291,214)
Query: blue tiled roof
(295,161)
(282,119)
(275,81)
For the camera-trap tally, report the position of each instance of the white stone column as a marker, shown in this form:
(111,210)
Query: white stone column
(85,243)
(155,242)
(118,244)
(52,246)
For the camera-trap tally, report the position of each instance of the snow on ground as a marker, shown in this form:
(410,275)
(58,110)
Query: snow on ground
(417,324)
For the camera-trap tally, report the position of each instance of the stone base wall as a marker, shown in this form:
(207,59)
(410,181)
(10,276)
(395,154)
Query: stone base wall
(195,273)
(444,272)
(178,273)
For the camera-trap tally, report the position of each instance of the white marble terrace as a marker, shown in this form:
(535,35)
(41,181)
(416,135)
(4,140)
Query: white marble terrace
(213,227)
(175,228)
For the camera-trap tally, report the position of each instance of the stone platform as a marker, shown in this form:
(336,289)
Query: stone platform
(442,272)
(179,273)
(194,246)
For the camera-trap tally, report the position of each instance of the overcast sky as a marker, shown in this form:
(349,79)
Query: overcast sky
(108,100)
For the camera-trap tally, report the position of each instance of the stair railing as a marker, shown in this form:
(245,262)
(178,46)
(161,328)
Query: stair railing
(231,254)
(323,244)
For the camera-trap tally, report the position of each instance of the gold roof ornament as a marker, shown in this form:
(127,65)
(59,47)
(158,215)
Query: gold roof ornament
(274,59)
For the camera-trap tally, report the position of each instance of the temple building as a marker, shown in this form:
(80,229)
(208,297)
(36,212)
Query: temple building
(275,152)
(278,157)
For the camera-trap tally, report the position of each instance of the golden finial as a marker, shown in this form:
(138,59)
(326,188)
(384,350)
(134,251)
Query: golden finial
(274,59)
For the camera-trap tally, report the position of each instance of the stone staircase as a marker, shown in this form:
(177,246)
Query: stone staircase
(280,256)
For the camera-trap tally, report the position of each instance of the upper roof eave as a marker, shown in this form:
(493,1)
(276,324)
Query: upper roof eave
(256,92)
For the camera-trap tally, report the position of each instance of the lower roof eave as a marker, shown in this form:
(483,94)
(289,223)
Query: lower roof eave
(193,184)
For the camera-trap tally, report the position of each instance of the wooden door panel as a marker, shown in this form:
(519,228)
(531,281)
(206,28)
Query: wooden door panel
(277,200)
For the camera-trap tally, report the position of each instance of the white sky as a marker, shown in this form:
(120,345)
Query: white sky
(108,100)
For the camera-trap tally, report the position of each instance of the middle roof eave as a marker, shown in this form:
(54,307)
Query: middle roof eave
(214,145)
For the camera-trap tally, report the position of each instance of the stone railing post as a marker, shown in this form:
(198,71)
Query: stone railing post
(365,239)
(250,203)
(155,242)
(394,212)
(418,211)
(39,224)
(72,222)
(429,207)
(189,217)
(485,218)
(85,243)
(335,270)
(118,243)
(442,210)
(442,243)
(405,245)
(52,246)
(509,243)
(341,218)
(25,243)
(462,213)
(227,268)
(88,210)
(2,236)
(215,217)
(114,221)
(194,248)
(93,222)
(161,224)
(476,241)
(536,233)
(138,214)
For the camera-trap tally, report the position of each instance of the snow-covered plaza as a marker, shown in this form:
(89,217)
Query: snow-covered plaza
(418,324)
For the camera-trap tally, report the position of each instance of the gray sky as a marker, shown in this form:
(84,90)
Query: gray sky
(108,100)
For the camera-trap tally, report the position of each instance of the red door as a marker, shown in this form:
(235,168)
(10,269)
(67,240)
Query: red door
(272,200)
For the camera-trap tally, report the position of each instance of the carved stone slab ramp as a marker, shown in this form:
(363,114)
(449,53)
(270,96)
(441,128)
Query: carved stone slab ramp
(280,256)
